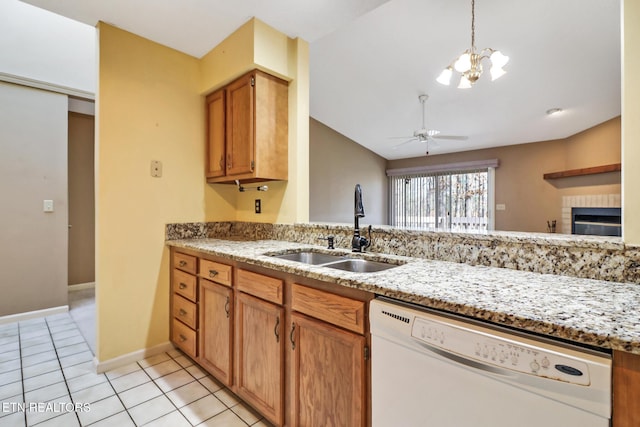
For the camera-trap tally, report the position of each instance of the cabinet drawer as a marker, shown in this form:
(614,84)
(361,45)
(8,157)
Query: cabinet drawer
(184,262)
(338,310)
(216,272)
(184,284)
(265,287)
(185,311)
(184,337)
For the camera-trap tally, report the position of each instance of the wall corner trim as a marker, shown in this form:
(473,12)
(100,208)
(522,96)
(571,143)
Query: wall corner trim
(134,356)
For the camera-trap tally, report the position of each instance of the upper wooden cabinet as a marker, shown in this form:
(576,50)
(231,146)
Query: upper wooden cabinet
(247,133)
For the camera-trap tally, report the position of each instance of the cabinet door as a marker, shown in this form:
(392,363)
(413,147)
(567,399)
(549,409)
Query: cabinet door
(216,320)
(216,134)
(328,375)
(259,352)
(240,126)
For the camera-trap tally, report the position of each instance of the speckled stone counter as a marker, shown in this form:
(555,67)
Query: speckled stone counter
(590,257)
(594,312)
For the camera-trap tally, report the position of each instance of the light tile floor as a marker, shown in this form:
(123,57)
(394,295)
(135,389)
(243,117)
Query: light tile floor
(47,363)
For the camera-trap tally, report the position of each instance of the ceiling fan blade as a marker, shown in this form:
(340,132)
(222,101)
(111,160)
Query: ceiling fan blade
(404,143)
(401,137)
(451,137)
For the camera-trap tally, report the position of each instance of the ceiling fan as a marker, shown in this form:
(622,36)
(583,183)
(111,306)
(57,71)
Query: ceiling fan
(425,135)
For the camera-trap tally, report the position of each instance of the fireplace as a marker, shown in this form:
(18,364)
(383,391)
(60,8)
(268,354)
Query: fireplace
(596,221)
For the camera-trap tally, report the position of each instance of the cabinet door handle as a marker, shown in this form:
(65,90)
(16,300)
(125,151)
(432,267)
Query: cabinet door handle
(293,330)
(182,263)
(228,161)
(182,285)
(213,273)
(182,312)
(222,162)
(276,329)
(226,307)
(182,338)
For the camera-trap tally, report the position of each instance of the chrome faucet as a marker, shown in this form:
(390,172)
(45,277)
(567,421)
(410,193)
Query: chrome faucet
(358,243)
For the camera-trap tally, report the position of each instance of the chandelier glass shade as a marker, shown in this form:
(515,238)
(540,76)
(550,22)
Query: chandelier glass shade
(469,64)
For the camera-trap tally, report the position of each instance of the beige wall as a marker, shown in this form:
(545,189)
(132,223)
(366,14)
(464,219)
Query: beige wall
(33,167)
(81,199)
(257,45)
(531,200)
(150,106)
(337,165)
(630,121)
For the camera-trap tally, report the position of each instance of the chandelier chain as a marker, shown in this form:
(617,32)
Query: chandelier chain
(473,25)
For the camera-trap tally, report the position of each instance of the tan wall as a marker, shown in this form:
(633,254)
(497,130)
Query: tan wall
(530,200)
(81,199)
(337,165)
(630,121)
(33,167)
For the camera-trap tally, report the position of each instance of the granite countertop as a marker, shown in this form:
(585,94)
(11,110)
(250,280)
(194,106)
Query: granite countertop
(594,312)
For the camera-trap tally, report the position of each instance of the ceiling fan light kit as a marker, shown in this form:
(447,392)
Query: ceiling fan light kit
(469,64)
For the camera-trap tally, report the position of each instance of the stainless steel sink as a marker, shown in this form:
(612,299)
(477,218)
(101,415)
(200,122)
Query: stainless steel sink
(360,265)
(339,262)
(314,258)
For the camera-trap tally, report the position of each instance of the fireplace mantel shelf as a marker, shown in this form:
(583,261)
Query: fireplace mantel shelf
(615,167)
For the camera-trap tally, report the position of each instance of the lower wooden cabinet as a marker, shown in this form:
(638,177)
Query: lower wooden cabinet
(260,355)
(216,330)
(295,353)
(328,367)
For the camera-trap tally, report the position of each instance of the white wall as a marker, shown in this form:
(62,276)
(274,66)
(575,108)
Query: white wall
(39,45)
(33,167)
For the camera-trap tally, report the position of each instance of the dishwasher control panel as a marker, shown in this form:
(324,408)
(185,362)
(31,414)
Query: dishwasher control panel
(492,349)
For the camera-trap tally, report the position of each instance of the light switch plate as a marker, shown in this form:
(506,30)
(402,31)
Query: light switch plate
(47,206)
(156,168)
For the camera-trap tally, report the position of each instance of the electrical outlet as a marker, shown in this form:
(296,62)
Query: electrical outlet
(258,206)
(156,168)
(501,207)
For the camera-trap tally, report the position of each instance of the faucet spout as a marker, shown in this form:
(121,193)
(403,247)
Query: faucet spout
(358,243)
(358,206)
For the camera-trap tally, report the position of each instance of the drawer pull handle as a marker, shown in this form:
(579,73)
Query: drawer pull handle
(182,263)
(226,307)
(182,338)
(213,273)
(182,312)
(293,330)
(276,329)
(182,285)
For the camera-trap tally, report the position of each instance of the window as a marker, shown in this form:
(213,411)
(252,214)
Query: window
(456,200)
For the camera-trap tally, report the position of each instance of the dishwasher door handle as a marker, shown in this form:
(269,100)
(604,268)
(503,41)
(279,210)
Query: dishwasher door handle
(468,362)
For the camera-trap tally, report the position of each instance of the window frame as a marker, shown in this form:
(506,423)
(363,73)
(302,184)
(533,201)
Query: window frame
(438,171)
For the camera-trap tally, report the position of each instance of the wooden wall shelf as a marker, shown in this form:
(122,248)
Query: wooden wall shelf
(615,167)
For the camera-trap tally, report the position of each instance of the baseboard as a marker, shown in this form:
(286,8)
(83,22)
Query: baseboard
(18,317)
(81,286)
(132,357)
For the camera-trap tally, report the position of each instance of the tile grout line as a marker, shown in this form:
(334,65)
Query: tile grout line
(64,377)
(24,396)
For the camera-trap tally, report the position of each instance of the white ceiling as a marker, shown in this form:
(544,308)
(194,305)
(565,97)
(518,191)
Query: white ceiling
(370,59)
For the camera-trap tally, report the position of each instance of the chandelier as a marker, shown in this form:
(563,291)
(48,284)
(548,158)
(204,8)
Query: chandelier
(469,64)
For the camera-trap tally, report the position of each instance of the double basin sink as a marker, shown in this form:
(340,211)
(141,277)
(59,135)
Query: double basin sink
(339,262)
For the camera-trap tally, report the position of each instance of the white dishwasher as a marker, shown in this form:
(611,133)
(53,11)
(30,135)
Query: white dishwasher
(435,370)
